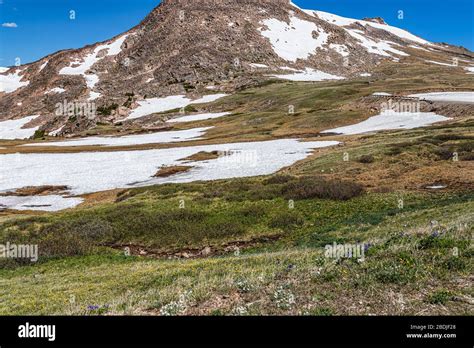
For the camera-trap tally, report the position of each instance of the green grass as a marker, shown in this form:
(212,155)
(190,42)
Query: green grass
(289,276)
(293,281)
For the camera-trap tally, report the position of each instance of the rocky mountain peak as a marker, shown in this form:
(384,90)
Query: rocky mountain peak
(378,20)
(197,47)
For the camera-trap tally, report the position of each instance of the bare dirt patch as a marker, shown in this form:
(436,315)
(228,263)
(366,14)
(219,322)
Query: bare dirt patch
(194,253)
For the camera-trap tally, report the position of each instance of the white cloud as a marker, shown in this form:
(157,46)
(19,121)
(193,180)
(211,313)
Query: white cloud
(10,25)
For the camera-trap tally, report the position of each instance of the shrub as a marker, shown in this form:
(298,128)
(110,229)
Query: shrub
(188,86)
(436,242)
(366,159)
(466,147)
(107,110)
(440,297)
(448,137)
(278,179)
(454,263)
(467,157)
(314,187)
(190,108)
(39,134)
(286,220)
(444,153)
(252,212)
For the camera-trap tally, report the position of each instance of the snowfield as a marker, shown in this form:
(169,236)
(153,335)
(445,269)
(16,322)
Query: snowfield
(295,40)
(138,139)
(156,105)
(13,129)
(87,172)
(388,120)
(344,21)
(309,75)
(11,82)
(198,117)
(39,203)
(460,97)
(381,47)
(79,67)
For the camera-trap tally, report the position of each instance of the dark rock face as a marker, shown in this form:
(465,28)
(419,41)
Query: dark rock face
(183,47)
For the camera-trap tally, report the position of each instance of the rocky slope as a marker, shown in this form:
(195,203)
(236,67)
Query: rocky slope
(194,48)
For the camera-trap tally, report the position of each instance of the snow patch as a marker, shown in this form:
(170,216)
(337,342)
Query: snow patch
(57,131)
(137,139)
(93,95)
(156,105)
(418,48)
(388,120)
(11,82)
(470,69)
(439,63)
(436,187)
(79,67)
(56,90)
(381,47)
(295,40)
(43,66)
(256,65)
(198,117)
(13,129)
(341,49)
(344,21)
(461,97)
(309,75)
(39,203)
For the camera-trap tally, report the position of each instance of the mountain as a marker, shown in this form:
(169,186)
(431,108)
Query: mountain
(190,49)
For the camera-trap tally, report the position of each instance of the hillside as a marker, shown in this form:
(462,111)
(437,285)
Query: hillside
(193,48)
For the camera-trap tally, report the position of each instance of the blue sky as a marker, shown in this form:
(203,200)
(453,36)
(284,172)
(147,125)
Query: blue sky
(32,29)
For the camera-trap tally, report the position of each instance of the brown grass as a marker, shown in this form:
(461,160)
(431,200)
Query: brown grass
(203,156)
(36,191)
(165,172)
